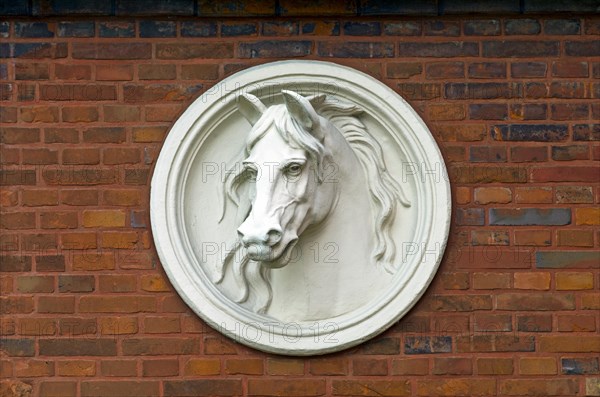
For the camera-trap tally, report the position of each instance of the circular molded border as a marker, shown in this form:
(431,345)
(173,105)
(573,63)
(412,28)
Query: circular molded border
(174,246)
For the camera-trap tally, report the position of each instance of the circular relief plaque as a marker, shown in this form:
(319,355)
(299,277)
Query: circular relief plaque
(300,207)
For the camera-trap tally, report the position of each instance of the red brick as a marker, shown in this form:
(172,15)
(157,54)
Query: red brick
(485,322)
(446,112)
(56,304)
(495,237)
(117,283)
(37,327)
(39,197)
(533,195)
(534,323)
(587,216)
(161,346)
(368,387)
(199,366)
(521,154)
(15,136)
(285,366)
(77,92)
(574,281)
(61,135)
(81,156)
(410,366)
(250,366)
(114,388)
(76,368)
(31,71)
(403,70)
(79,197)
(93,260)
(160,368)
(533,237)
(118,325)
(58,389)
(329,366)
(72,72)
(114,72)
(78,241)
(369,367)
(533,281)
(58,220)
(456,387)
(455,281)
(118,368)
(39,114)
(576,238)
(104,218)
(17,220)
(445,70)
(576,323)
(162,325)
(114,156)
(537,366)
(156,72)
(569,69)
(452,366)
(494,366)
(535,301)
(114,304)
(80,114)
(35,284)
(541,387)
(121,113)
(34,368)
(200,72)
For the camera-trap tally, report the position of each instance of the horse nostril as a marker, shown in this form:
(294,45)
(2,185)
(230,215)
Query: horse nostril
(274,236)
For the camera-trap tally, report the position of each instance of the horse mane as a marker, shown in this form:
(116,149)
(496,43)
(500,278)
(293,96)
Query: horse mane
(385,192)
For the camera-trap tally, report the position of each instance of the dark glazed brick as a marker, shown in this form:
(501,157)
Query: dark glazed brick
(171,7)
(50,263)
(203,387)
(78,347)
(528,111)
(325,28)
(528,69)
(488,111)
(586,132)
(211,8)
(362,28)
(482,90)
(530,216)
(481,7)
(443,70)
(283,28)
(33,29)
(562,26)
(117,29)
(356,50)
(158,29)
(419,91)
(76,29)
(4,29)
(570,152)
(583,48)
(567,260)
(530,132)
(580,366)
(112,51)
(427,344)
(274,49)
(522,27)
(503,49)
(470,216)
(485,70)
(441,28)
(317,7)
(198,29)
(194,50)
(407,7)
(238,29)
(443,50)
(18,347)
(554,6)
(72,7)
(39,50)
(402,28)
(9,263)
(483,27)
(14,7)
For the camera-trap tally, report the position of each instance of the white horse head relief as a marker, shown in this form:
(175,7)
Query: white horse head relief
(305,163)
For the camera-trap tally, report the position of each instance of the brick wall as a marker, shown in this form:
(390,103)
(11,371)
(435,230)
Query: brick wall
(86,308)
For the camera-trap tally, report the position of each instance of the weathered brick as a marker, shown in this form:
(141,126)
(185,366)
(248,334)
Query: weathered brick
(202,367)
(202,387)
(569,69)
(582,48)
(321,28)
(587,216)
(118,325)
(530,132)
(121,113)
(50,263)
(577,323)
(580,366)
(564,174)
(58,388)
(495,366)
(329,366)
(35,284)
(492,322)
(80,114)
(93,260)
(487,70)
(199,29)
(32,71)
(441,28)
(115,29)
(355,49)
(519,49)
(78,347)
(529,216)
(160,368)
(160,346)
(231,29)
(438,50)
(482,27)
(571,152)
(15,263)
(81,156)
(583,132)
(279,28)
(190,51)
(104,135)
(456,387)
(365,387)
(410,366)
(245,367)
(535,301)
(77,92)
(76,368)
(17,220)
(118,51)
(39,50)
(534,323)
(575,280)
(569,111)
(68,283)
(483,281)
(13,135)
(532,281)
(115,72)
(553,387)
(135,93)
(444,70)
(114,304)
(528,111)
(402,28)
(533,237)
(576,238)
(76,29)
(151,28)
(522,26)
(119,367)
(200,72)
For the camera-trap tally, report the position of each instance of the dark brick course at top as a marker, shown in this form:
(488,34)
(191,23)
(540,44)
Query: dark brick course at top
(236,8)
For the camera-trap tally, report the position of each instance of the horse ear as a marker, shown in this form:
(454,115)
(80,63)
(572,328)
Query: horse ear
(251,107)
(316,100)
(301,109)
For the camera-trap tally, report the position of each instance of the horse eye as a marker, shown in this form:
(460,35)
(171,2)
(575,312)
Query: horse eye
(293,169)
(251,173)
